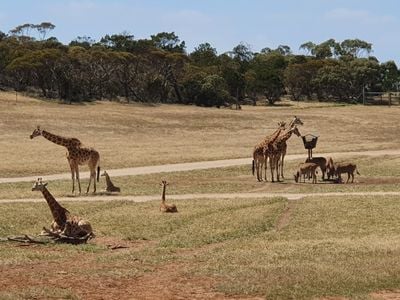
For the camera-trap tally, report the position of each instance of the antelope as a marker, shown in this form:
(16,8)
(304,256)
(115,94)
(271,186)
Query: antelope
(308,169)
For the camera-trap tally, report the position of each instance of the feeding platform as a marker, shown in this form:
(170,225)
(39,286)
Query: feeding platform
(310,142)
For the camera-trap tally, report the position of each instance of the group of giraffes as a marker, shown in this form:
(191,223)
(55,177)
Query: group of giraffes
(65,224)
(273,148)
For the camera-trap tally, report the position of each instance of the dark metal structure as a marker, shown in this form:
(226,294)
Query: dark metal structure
(309,141)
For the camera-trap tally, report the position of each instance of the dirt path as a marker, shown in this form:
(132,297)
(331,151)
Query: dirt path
(289,196)
(193,166)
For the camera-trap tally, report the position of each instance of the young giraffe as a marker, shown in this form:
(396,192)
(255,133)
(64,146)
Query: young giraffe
(171,208)
(76,156)
(110,186)
(258,158)
(64,223)
(275,150)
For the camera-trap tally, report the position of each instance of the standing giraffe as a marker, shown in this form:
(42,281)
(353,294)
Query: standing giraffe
(76,156)
(296,121)
(258,157)
(275,150)
(64,223)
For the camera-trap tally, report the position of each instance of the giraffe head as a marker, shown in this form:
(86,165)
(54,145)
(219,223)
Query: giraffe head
(282,125)
(296,131)
(296,121)
(39,185)
(36,132)
(164,183)
(104,173)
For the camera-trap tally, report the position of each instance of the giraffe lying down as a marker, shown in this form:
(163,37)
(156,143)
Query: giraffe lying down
(64,224)
(111,188)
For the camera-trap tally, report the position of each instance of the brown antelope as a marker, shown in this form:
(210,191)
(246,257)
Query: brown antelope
(330,168)
(349,168)
(308,169)
(321,162)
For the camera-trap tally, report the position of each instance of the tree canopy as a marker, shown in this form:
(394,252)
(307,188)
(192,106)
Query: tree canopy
(159,69)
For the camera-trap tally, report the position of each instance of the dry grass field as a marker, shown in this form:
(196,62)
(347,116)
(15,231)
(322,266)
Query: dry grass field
(137,135)
(336,247)
(212,249)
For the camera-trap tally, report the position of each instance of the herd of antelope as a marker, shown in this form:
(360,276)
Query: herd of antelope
(273,149)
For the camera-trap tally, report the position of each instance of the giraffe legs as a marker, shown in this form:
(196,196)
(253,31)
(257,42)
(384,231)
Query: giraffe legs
(77,178)
(258,170)
(74,174)
(277,169)
(265,167)
(93,164)
(271,166)
(281,167)
(92,175)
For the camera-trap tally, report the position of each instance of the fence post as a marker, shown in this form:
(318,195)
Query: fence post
(390,99)
(363,94)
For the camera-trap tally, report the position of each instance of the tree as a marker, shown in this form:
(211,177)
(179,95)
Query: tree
(269,75)
(204,55)
(299,77)
(43,28)
(309,47)
(242,53)
(355,48)
(168,41)
(119,42)
(390,76)
(213,92)
(82,41)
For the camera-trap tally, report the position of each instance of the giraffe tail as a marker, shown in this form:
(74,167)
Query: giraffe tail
(252,169)
(98,173)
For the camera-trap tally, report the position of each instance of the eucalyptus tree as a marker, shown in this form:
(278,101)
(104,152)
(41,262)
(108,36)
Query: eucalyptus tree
(390,76)
(204,55)
(168,41)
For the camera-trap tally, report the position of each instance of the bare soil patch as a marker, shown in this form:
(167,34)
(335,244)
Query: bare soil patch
(164,281)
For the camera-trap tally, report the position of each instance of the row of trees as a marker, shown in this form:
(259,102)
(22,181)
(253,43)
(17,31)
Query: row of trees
(159,69)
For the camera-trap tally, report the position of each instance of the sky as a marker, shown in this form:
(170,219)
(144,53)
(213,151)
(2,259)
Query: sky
(222,23)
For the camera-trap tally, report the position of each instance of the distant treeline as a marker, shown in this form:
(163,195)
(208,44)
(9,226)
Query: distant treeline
(159,69)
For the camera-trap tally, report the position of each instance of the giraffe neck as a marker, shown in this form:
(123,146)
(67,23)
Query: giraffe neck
(163,193)
(285,136)
(56,139)
(108,181)
(275,135)
(59,213)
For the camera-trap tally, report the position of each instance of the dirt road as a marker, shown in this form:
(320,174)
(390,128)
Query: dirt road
(289,196)
(193,166)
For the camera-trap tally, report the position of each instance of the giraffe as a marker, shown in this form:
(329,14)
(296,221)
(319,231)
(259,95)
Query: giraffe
(294,122)
(258,157)
(275,150)
(64,223)
(110,186)
(171,208)
(76,156)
